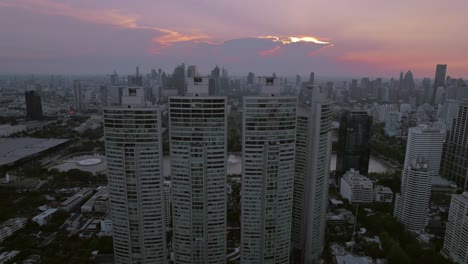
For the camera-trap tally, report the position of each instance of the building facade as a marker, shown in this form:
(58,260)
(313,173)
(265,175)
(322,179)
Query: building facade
(356,188)
(412,203)
(353,142)
(456,234)
(136,191)
(198,141)
(439,80)
(454,164)
(78,102)
(268,150)
(425,142)
(33,105)
(311,175)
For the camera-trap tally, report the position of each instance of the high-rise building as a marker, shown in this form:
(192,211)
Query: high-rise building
(353,142)
(439,80)
(311,175)
(192,71)
(33,105)
(167,202)
(412,203)
(78,102)
(425,142)
(103,95)
(268,147)
(456,234)
(197,124)
(250,78)
(135,175)
(178,79)
(410,86)
(392,123)
(454,164)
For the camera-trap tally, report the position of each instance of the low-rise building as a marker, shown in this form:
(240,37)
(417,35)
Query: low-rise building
(356,187)
(383,194)
(90,204)
(72,202)
(8,255)
(10,226)
(44,217)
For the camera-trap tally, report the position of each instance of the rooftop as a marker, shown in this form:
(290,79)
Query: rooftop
(14,149)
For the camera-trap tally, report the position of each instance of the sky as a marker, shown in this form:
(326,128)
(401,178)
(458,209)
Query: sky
(332,38)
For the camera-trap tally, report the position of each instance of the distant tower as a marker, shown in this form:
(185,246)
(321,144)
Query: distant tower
(312,78)
(354,142)
(198,136)
(313,150)
(33,106)
(268,150)
(250,78)
(103,95)
(427,143)
(454,164)
(439,80)
(134,171)
(412,203)
(456,234)
(192,71)
(178,79)
(78,103)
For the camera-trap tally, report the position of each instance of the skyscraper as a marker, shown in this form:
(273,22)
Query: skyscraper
(412,203)
(198,173)
(454,164)
(103,95)
(33,105)
(192,71)
(425,142)
(353,142)
(268,147)
(78,103)
(178,79)
(439,79)
(456,234)
(134,172)
(311,175)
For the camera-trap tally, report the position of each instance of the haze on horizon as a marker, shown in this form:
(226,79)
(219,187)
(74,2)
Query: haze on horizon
(339,38)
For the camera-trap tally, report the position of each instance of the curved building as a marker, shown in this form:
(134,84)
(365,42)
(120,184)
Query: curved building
(136,190)
(412,203)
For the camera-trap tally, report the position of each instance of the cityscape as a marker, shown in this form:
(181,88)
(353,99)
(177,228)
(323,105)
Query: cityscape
(192,145)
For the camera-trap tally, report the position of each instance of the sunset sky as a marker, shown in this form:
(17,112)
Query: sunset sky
(333,38)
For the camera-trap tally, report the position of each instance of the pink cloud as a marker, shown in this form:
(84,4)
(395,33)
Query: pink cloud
(269,52)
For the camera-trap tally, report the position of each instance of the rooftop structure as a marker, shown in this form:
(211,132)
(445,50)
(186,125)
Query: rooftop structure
(16,149)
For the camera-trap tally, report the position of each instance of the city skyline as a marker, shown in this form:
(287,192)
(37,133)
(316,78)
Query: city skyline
(89,37)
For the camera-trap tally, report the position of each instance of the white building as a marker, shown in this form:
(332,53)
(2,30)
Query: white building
(44,217)
(198,138)
(10,226)
(425,142)
(312,163)
(7,130)
(135,176)
(72,202)
(356,187)
(392,123)
(268,150)
(456,234)
(89,206)
(383,194)
(411,205)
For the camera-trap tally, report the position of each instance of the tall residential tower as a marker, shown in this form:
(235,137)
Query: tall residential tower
(198,171)
(311,175)
(134,172)
(268,150)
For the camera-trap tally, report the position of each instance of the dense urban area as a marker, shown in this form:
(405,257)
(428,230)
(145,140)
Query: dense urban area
(369,170)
